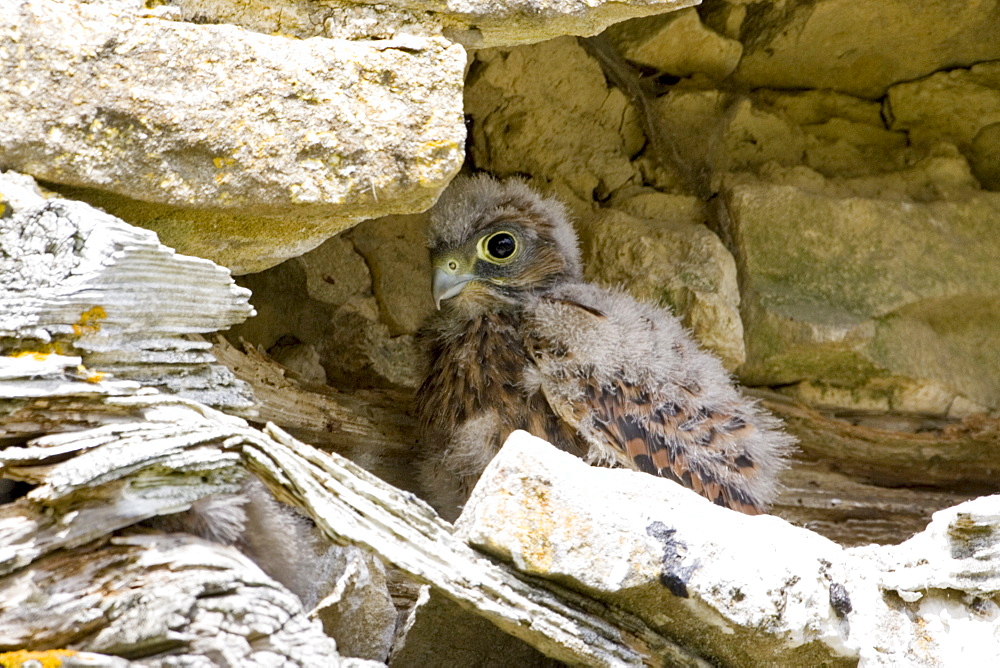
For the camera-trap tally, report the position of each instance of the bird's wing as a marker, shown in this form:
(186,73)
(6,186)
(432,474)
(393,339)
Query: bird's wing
(660,429)
(674,438)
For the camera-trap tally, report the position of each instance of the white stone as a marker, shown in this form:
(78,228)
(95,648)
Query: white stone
(741,590)
(77,280)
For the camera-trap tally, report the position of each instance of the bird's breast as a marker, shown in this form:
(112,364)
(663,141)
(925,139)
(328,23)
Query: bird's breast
(483,368)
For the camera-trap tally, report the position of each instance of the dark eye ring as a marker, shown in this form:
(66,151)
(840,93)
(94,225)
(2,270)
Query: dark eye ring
(501,245)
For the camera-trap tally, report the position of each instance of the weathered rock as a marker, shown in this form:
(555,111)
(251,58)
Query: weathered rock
(81,282)
(959,106)
(589,131)
(741,590)
(474,23)
(953,105)
(985,156)
(359,298)
(838,136)
(62,658)
(861,49)
(869,295)
(439,632)
(678,44)
(358,612)
(844,136)
(242,241)
(301,359)
(851,510)
(65,580)
(189,598)
(831,149)
(305,19)
(217,117)
(395,251)
(373,428)
(492,23)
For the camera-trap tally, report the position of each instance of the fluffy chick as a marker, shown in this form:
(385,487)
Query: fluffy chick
(520,341)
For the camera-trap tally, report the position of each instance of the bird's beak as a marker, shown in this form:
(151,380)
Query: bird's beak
(446,285)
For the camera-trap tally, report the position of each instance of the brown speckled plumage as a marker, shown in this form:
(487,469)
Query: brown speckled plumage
(521,342)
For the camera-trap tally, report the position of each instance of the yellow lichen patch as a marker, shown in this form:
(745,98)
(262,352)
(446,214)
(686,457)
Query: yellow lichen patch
(41,352)
(536,530)
(35,355)
(52,658)
(90,321)
(90,376)
(221,162)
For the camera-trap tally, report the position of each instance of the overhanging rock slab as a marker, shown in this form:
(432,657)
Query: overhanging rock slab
(474,23)
(216,116)
(292,139)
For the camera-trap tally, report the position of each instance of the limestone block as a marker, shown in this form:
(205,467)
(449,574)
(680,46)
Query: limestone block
(358,299)
(725,18)
(845,136)
(985,158)
(821,141)
(358,612)
(474,23)
(939,174)
(869,295)
(671,260)
(837,135)
(694,119)
(494,23)
(862,48)
(335,273)
(395,250)
(64,658)
(204,116)
(677,43)
(740,590)
(814,107)
(546,110)
(307,18)
(717,132)
(952,106)
(301,359)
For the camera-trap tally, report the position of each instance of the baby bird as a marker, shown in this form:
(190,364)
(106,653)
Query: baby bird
(520,341)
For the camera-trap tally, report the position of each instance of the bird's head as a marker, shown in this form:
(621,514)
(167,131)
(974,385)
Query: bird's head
(492,241)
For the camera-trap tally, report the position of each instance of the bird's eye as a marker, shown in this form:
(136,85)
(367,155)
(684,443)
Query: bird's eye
(500,246)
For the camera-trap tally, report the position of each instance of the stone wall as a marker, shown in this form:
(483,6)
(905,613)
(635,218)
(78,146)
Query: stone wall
(820,213)
(815,199)
(812,186)
(827,227)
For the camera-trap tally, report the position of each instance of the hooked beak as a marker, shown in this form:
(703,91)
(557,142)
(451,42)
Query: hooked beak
(447,285)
